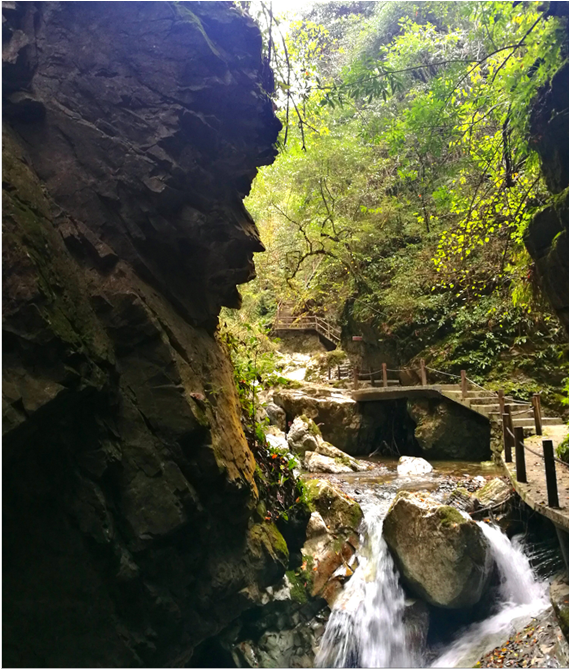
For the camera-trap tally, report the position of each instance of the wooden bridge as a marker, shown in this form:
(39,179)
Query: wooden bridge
(537,475)
(543,485)
(285,320)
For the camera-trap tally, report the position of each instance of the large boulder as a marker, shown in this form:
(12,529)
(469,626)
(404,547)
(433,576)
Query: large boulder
(338,414)
(413,465)
(442,555)
(332,539)
(302,435)
(315,462)
(356,428)
(446,430)
(327,457)
(277,416)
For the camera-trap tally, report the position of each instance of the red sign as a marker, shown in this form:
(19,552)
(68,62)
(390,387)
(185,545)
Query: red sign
(357,338)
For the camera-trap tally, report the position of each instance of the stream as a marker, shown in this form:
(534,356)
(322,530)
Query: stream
(367,625)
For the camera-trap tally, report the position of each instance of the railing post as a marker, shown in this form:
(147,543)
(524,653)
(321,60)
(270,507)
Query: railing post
(463,384)
(507,440)
(550,472)
(519,451)
(423,372)
(384,375)
(355,375)
(501,399)
(329,373)
(536,410)
(338,371)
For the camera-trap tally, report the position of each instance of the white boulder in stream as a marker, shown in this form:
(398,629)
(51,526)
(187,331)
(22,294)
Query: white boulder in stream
(413,465)
(442,554)
(327,458)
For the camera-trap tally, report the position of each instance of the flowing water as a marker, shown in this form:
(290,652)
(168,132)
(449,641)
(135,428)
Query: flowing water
(366,627)
(521,597)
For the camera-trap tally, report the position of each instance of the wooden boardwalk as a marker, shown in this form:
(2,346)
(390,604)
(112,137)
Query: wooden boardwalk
(521,415)
(286,320)
(534,491)
(485,404)
(502,411)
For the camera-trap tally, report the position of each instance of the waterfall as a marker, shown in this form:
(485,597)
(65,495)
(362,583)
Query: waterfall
(521,597)
(366,627)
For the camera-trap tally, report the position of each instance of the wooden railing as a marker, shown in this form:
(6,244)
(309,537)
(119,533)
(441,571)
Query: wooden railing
(308,322)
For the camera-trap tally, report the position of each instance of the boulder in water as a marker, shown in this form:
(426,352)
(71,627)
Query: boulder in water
(315,462)
(331,539)
(330,459)
(413,465)
(445,429)
(442,555)
(494,492)
(302,435)
(276,416)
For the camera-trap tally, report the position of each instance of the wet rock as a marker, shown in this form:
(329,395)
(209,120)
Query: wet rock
(329,551)
(413,465)
(442,556)
(494,492)
(315,462)
(446,430)
(463,500)
(559,600)
(354,464)
(332,460)
(277,416)
(339,512)
(337,414)
(302,435)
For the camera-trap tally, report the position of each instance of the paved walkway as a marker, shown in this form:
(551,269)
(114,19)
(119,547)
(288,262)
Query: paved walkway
(534,492)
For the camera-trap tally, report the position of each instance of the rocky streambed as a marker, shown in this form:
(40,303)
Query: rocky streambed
(332,609)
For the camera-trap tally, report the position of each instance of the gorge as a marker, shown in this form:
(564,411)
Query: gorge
(173,495)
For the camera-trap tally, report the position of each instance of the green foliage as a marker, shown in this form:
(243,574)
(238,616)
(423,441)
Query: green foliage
(404,192)
(562,450)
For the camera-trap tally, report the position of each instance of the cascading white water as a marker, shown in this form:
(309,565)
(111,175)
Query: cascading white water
(366,627)
(521,597)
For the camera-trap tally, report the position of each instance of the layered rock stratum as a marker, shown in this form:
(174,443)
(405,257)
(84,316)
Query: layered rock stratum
(131,133)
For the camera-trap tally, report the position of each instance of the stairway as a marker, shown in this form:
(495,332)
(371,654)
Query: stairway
(488,406)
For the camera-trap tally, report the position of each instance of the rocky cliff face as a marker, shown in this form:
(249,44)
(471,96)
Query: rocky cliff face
(132,131)
(547,235)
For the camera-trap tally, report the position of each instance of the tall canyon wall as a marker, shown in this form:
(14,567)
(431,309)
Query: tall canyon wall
(131,133)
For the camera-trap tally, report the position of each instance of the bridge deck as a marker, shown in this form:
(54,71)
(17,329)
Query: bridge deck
(396,392)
